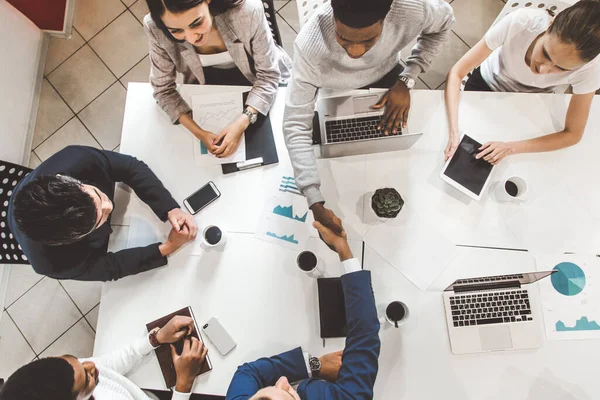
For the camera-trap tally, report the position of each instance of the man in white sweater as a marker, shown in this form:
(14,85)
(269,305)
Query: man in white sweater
(103,377)
(352,44)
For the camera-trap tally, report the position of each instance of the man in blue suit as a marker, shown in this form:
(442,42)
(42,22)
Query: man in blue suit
(338,376)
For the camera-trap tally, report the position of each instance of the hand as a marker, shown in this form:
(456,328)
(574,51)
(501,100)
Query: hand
(175,240)
(178,218)
(229,139)
(339,244)
(330,366)
(177,328)
(397,102)
(189,363)
(208,139)
(494,152)
(327,217)
(451,147)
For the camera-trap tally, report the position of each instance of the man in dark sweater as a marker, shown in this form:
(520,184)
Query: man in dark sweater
(60,215)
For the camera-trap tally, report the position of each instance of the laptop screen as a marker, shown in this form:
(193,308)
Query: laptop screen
(498,281)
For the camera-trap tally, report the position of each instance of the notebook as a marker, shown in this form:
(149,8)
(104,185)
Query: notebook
(332,308)
(163,353)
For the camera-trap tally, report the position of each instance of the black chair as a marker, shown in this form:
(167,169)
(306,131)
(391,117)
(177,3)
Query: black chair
(270,13)
(10,176)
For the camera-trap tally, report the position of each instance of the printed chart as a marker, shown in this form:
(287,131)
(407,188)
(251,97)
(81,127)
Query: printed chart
(286,219)
(570,297)
(213,113)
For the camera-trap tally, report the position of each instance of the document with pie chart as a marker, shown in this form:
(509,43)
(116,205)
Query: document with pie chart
(570,296)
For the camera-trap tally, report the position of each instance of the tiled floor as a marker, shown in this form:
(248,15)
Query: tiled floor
(82,102)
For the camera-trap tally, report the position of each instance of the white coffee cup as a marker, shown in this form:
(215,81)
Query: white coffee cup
(213,237)
(511,189)
(310,264)
(387,311)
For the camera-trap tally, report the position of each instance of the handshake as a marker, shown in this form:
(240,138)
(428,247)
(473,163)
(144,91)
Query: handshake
(331,230)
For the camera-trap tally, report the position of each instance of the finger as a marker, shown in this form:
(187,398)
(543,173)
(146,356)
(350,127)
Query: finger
(397,121)
(382,102)
(174,222)
(174,354)
(405,116)
(491,155)
(187,344)
(389,124)
(195,347)
(484,152)
(334,227)
(204,352)
(485,146)
(219,137)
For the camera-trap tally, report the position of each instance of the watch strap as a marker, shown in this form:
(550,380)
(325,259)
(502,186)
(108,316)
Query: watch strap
(152,338)
(315,371)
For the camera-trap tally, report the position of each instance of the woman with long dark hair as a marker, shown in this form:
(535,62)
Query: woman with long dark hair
(215,42)
(529,50)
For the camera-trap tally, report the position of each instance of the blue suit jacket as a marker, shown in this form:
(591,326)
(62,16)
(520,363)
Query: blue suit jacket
(359,361)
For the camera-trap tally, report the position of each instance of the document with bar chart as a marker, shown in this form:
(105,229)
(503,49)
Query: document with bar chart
(570,296)
(286,219)
(213,113)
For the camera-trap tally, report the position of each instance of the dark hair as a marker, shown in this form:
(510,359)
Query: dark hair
(46,379)
(360,13)
(158,7)
(54,210)
(579,25)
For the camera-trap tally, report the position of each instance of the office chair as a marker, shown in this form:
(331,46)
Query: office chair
(306,8)
(270,13)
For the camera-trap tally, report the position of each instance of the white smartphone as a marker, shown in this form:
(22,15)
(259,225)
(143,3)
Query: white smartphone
(218,336)
(201,198)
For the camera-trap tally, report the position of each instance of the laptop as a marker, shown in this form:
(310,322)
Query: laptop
(348,127)
(493,313)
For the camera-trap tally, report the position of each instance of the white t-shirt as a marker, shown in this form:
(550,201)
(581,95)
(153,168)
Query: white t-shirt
(219,60)
(505,69)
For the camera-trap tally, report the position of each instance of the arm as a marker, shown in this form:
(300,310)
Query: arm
(251,377)
(439,19)
(297,127)
(123,360)
(471,60)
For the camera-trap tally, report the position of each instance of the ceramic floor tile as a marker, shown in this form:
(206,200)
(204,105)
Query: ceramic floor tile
(121,55)
(44,313)
(117,149)
(280,3)
(419,84)
(287,37)
(81,78)
(34,160)
(128,3)
(474,17)
(59,49)
(52,113)
(77,341)
(92,317)
(13,347)
(139,73)
(85,294)
(72,133)
(93,15)
(21,279)
(104,116)
(140,9)
(452,51)
(290,13)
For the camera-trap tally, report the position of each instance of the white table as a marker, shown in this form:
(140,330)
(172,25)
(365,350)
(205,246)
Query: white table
(253,287)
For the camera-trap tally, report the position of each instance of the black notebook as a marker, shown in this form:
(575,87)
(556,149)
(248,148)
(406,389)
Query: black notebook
(332,308)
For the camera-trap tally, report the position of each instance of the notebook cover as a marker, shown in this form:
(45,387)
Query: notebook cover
(332,308)
(163,353)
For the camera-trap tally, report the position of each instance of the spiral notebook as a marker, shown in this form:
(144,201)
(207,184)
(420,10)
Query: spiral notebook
(163,353)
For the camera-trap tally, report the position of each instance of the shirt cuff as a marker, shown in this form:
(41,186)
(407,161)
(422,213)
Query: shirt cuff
(143,346)
(306,358)
(180,396)
(411,71)
(313,194)
(351,265)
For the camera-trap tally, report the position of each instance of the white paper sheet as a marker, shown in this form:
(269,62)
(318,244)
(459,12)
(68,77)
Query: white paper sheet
(412,247)
(571,297)
(213,113)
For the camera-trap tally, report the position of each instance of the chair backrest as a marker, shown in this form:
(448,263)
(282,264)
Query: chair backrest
(10,176)
(555,6)
(306,8)
(270,13)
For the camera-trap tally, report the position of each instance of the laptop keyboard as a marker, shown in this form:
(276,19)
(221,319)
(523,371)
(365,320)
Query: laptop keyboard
(490,308)
(350,130)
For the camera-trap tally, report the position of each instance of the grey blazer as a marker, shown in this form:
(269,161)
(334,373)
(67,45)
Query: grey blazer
(248,39)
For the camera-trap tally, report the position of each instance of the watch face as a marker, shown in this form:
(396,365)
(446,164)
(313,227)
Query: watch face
(315,364)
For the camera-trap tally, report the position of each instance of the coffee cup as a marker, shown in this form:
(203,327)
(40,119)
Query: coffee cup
(310,264)
(511,189)
(394,314)
(213,237)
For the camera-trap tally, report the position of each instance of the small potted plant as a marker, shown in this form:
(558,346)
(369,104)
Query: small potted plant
(387,203)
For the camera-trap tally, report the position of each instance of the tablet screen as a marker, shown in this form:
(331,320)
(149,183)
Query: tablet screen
(465,169)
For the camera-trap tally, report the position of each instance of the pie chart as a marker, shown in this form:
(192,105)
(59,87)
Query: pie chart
(569,280)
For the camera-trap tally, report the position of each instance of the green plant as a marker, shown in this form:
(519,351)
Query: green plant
(387,202)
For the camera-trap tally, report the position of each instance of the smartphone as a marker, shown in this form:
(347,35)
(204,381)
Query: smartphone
(218,336)
(201,198)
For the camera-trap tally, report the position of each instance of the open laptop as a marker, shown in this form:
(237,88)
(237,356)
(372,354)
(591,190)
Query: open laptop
(493,313)
(349,127)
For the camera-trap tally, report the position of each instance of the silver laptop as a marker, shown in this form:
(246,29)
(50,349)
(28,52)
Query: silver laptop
(493,313)
(349,127)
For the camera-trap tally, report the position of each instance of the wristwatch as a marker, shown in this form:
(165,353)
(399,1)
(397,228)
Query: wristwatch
(409,82)
(252,116)
(152,337)
(315,366)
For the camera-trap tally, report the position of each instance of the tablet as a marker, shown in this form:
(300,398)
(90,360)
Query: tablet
(466,173)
